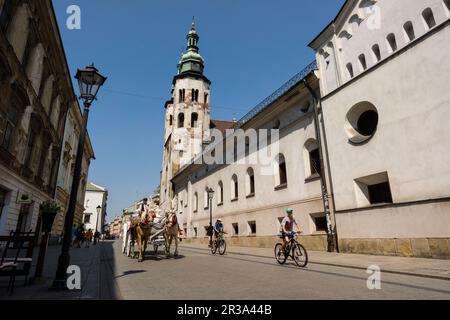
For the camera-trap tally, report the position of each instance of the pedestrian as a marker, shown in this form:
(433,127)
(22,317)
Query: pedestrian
(88,237)
(74,233)
(79,236)
(96,237)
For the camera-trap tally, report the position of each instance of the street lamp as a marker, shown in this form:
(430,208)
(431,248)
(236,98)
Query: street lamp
(89,81)
(210,192)
(99,212)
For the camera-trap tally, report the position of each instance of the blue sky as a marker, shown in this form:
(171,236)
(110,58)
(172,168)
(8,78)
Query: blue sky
(250,47)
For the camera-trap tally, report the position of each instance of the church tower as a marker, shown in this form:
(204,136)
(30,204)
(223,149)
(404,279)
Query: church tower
(187,120)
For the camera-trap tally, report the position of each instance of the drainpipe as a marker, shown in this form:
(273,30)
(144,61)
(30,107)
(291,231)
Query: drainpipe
(331,223)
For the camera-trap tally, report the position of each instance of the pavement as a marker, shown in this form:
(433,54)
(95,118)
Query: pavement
(243,273)
(430,268)
(96,276)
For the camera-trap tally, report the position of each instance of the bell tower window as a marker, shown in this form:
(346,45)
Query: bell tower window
(194,120)
(181,120)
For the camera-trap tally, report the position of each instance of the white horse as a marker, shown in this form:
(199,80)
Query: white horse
(171,233)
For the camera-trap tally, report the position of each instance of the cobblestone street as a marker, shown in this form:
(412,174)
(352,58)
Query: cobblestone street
(241,274)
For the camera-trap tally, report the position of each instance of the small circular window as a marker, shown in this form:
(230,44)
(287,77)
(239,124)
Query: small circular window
(361,122)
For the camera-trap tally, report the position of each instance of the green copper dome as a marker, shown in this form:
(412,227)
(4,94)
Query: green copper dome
(191,61)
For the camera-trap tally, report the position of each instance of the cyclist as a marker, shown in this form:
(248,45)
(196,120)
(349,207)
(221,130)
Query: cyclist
(287,227)
(218,227)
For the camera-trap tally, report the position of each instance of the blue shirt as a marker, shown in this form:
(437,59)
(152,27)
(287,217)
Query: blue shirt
(218,225)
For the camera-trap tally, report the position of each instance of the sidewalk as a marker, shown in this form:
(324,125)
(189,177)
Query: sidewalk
(88,259)
(419,267)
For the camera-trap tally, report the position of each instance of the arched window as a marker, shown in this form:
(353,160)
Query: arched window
(312,158)
(195,202)
(6,14)
(9,119)
(196,96)
(234,188)
(376,53)
(5,71)
(194,120)
(181,95)
(392,43)
(220,193)
(355,20)
(18,29)
(181,120)
(250,183)
(47,93)
(56,109)
(362,62)
(447,6)
(350,70)
(428,18)
(35,67)
(281,173)
(408,28)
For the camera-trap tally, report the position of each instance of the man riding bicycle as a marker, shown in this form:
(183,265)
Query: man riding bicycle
(218,228)
(287,227)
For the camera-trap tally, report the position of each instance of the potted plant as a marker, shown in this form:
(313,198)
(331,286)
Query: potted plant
(49,211)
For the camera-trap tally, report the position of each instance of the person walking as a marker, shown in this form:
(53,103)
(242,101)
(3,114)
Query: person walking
(79,236)
(89,236)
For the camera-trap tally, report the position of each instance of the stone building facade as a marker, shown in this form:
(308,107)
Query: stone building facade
(36,93)
(384,73)
(66,170)
(379,89)
(96,196)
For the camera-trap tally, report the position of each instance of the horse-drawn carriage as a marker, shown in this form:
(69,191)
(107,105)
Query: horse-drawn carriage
(156,233)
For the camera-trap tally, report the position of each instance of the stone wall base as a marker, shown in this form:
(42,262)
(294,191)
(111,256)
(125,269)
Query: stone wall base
(437,248)
(312,242)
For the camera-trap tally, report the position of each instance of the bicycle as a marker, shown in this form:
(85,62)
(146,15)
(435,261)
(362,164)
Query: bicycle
(294,249)
(219,244)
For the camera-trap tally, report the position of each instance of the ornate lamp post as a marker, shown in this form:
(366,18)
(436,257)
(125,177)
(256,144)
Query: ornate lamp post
(210,197)
(89,81)
(99,212)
